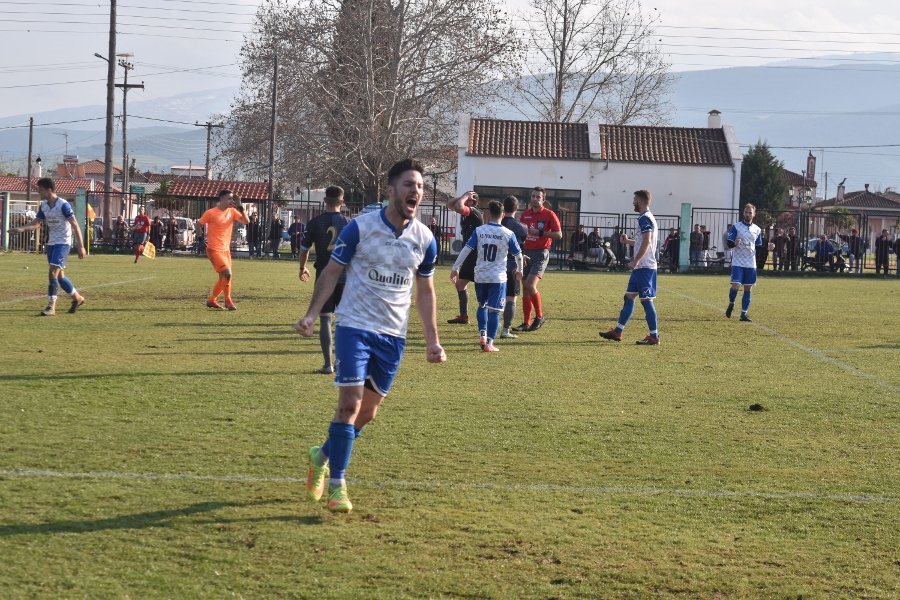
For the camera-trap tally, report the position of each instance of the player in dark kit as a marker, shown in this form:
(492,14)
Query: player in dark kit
(471,218)
(321,232)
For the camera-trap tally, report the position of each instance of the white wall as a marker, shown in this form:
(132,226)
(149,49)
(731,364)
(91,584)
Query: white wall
(608,188)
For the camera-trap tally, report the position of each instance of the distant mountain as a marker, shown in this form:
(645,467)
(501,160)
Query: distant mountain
(845,103)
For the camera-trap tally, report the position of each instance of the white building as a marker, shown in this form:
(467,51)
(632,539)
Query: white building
(595,168)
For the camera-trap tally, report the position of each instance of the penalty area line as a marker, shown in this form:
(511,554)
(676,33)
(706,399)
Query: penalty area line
(447,485)
(87,287)
(815,353)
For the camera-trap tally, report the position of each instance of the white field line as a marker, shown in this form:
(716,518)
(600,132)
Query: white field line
(817,354)
(442,485)
(87,287)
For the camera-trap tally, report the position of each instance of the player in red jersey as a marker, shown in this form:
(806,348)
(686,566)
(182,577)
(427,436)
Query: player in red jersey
(140,231)
(543,227)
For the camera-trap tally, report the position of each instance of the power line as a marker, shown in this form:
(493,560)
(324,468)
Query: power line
(56,123)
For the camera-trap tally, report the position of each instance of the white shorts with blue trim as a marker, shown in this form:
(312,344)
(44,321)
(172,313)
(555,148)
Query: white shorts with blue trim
(366,356)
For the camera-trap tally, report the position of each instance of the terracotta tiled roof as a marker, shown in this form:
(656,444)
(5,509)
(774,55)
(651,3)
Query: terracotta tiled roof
(621,143)
(528,139)
(64,187)
(797,180)
(206,188)
(861,199)
(669,145)
(97,167)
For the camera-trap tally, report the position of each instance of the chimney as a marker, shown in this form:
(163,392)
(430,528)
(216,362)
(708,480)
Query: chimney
(37,166)
(595,148)
(714,120)
(867,188)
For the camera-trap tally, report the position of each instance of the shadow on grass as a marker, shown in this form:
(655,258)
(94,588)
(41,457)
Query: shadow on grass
(157,518)
(38,377)
(239,324)
(882,347)
(230,353)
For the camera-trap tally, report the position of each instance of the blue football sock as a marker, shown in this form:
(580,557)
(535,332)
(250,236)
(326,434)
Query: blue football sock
(650,312)
(341,436)
(66,285)
(625,315)
(732,295)
(481,315)
(53,288)
(493,324)
(325,448)
(745,302)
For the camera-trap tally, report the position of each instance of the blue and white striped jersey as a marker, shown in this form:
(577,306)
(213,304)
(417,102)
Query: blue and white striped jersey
(381,267)
(746,238)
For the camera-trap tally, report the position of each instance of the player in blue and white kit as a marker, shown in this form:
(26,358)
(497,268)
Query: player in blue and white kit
(383,252)
(642,283)
(743,237)
(491,243)
(62,225)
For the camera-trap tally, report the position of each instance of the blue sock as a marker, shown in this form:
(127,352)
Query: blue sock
(493,324)
(66,285)
(325,448)
(732,295)
(745,302)
(650,312)
(53,288)
(341,436)
(625,315)
(482,316)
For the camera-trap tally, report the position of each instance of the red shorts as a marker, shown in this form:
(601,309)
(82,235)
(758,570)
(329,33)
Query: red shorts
(221,261)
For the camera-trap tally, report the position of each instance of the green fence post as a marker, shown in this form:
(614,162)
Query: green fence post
(81,215)
(684,248)
(4,220)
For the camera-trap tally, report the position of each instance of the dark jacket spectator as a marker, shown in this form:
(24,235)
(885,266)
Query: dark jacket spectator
(156,232)
(254,235)
(578,242)
(883,247)
(276,233)
(172,234)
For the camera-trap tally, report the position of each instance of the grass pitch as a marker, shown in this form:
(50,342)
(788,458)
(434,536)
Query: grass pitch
(151,448)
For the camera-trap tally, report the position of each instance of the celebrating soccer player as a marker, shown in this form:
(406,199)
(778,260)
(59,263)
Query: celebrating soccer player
(383,252)
(642,282)
(61,225)
(219,221)
(491,243)
(321,232)
(743,237)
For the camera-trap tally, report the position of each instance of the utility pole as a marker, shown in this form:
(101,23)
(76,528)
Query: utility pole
(110,115)
(65,134)
(209,127)
(123,62)
(272,133)
(30,137)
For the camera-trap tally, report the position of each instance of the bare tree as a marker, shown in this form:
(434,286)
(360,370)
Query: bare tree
(363,83)
(593,59)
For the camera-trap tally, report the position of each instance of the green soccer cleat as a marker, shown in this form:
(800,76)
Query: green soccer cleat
(338,501)
(316,476)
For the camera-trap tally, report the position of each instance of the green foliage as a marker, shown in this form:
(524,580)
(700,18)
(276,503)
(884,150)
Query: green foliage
(840,218)
(762,179)
(560,467)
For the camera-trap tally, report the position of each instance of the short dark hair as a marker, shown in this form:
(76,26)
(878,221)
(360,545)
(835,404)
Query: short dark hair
(645,195)
(510,204)
(403,166)
(538,188)
(46,183)
(333,194)
(223,193)
(495,208)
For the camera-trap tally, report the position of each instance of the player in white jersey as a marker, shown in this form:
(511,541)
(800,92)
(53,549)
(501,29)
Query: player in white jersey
(383,252)
(61,223)
(643,275)
(743,237)
(491,244)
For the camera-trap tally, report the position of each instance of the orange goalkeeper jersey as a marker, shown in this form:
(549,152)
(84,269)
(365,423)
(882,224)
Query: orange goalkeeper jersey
(219,224)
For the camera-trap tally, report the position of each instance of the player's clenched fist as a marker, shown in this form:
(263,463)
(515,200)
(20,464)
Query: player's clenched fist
(304,326)
(436,354)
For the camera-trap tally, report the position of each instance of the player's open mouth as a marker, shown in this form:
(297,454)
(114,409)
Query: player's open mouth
(412,202)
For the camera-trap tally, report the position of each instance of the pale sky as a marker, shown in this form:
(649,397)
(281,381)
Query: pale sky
(190,45)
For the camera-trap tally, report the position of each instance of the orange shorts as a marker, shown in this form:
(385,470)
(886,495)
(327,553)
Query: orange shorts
(221,261)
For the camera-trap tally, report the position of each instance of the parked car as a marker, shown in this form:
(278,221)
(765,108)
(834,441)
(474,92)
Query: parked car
(836,245)
(185,239)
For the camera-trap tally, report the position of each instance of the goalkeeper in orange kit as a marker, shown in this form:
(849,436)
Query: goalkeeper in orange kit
(219,222)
